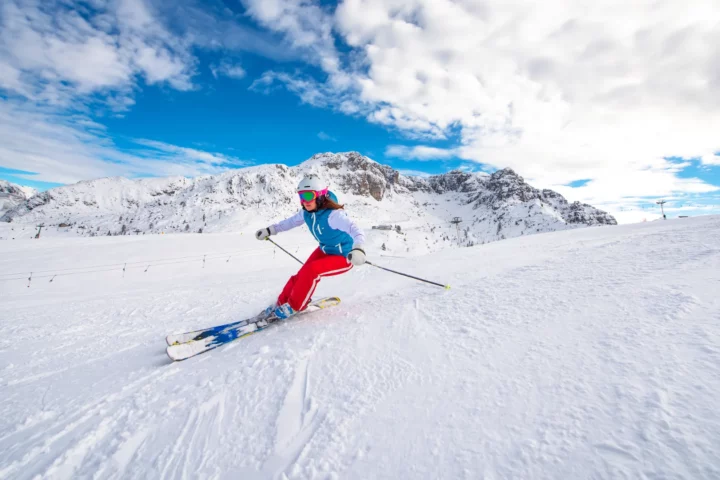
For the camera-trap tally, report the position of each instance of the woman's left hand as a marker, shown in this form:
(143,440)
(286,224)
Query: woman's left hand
(357,256)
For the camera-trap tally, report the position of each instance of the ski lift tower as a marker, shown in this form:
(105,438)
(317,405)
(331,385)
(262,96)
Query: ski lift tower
(40,227)
(661,203)
(457,221)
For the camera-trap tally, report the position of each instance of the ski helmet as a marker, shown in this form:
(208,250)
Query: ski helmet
(312,188)
(312,182)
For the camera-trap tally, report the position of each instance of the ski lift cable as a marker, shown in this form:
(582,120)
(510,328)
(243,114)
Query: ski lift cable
(124,266)
(237,253)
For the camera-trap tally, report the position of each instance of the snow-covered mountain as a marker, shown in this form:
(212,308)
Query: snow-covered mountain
(419,210)
(12,195)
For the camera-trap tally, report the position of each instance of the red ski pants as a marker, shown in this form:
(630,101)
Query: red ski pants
(299,289)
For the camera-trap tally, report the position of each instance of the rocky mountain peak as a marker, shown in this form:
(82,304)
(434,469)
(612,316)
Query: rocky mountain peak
(454,181)
(356,173)
(505,184)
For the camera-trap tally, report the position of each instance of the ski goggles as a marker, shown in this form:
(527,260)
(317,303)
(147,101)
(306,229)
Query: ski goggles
(307,196)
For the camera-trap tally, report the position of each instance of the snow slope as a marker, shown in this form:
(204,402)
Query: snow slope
(590,353)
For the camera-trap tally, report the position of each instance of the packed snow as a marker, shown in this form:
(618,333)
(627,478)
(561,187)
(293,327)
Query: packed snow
(588,353)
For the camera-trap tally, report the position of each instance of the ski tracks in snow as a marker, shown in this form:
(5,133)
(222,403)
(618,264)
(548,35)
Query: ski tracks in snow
(296,423)
(332,390)
(56,444)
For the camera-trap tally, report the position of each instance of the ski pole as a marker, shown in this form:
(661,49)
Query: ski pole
(446,287)
(281,248)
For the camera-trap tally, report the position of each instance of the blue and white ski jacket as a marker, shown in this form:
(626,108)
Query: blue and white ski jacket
(333,229)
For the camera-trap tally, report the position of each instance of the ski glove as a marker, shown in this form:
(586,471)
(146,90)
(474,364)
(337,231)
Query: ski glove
(264,233)
(357,256)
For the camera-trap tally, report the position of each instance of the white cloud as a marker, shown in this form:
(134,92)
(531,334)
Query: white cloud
(213,26)
(56,54)
(709,159)
(306,25)
(207,161)
(559,91)
(310,91)
(414,173)
(617,193)
(635,215)
(325,136)
(228,69)
(419,152)
(70,148)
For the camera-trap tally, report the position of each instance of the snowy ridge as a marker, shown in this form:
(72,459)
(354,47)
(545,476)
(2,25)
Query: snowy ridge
(12,195)
(492,207)
(590,353)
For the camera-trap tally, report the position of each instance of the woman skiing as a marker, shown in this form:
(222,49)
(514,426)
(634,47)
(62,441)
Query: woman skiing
(341,245)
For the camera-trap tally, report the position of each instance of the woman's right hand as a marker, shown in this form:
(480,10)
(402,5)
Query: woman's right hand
(264,233)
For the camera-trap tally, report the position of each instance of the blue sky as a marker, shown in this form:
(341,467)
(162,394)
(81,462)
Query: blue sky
(148,88)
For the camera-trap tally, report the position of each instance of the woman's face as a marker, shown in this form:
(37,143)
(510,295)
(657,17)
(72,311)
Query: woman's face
(311,205)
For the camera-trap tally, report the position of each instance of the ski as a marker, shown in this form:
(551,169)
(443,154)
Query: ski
(177,338)
(208,339)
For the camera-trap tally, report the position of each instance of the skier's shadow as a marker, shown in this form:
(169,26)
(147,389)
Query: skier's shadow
(161,360)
